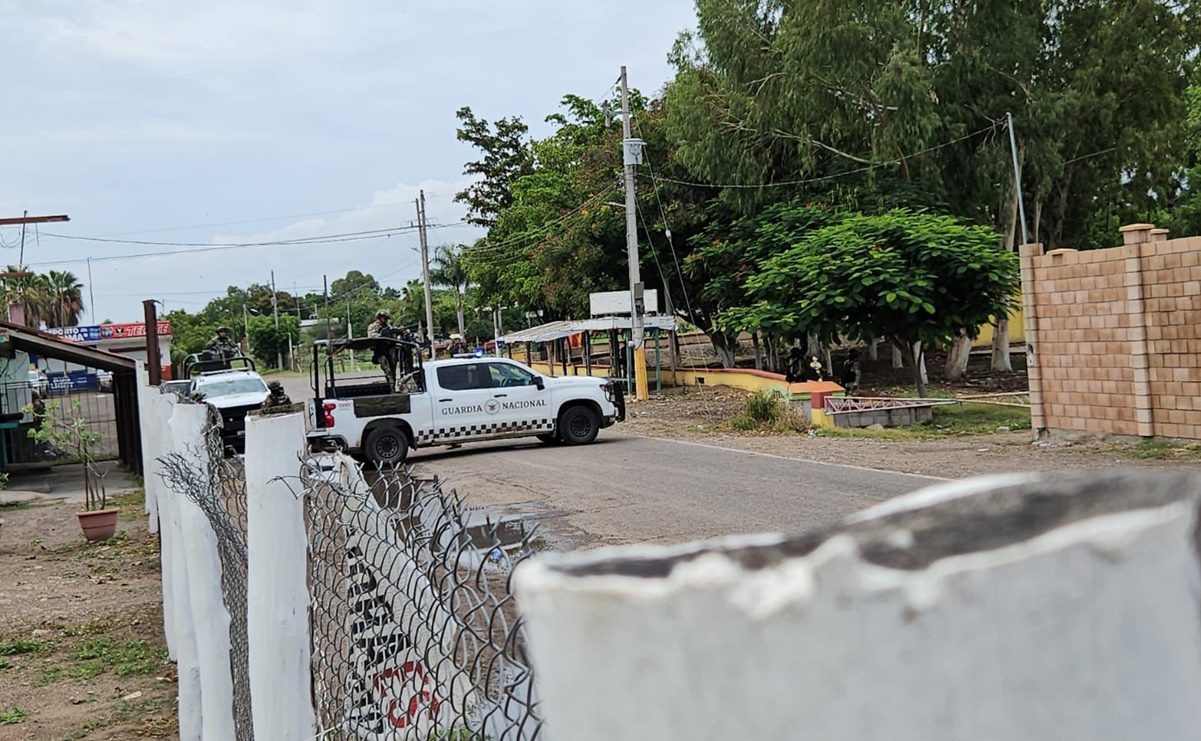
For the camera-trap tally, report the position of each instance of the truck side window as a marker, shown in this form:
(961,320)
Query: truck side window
(467,377)
(505,375)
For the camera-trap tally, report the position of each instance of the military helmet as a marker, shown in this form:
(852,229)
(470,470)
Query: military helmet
(222,329)
(275,386)
(384,313)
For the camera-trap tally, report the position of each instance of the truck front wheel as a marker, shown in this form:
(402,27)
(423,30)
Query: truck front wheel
(386,446)
(579,425)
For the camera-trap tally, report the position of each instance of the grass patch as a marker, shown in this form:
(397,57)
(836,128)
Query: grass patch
(1166,450)
(22,646)
(12,716)
(768,412)
(14,506)
(123,658)
(5,664)
(131,503)
(949,421)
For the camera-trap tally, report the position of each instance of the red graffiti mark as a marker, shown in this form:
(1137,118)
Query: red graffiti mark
(402,681)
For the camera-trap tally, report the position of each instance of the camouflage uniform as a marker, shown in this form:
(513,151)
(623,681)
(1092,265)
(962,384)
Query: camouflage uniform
(384,354)
(223,345)
(278,400)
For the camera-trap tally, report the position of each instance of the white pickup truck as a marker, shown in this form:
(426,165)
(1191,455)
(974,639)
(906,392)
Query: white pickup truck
(450,402)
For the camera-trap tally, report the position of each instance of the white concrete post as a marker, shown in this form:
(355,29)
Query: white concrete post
(148,428)
(278,593)
(1019,610)
(157,441)
(186,438)
(211,620)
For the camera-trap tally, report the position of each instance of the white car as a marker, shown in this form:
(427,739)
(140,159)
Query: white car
(234,394)
(450,402)
(38,381)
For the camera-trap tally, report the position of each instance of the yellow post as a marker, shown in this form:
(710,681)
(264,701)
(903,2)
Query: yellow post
(641,386)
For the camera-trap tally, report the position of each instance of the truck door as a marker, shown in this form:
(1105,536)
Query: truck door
(463,395)
(522,407)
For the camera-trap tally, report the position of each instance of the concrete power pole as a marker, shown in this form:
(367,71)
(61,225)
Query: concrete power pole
(425,271)
(279,355)
(632,157)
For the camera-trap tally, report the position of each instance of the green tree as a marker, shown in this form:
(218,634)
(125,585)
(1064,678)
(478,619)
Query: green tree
(450,271)
(19,287)
(65,299)
(909,277)
(506,157)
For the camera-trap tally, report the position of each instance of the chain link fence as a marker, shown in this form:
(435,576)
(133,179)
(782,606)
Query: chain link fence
(414,629)
(217,485)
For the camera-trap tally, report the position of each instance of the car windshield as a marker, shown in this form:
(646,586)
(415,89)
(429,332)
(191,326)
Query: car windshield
(214,389)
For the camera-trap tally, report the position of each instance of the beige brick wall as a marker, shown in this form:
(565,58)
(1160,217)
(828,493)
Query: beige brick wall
(1117,339)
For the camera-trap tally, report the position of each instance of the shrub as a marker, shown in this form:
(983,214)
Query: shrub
(766,411)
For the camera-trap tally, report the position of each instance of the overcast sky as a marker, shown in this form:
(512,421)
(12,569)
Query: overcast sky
(236,121)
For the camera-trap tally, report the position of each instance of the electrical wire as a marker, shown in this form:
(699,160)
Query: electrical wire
(825,178)
(529,237)
(271,243)
(666,227)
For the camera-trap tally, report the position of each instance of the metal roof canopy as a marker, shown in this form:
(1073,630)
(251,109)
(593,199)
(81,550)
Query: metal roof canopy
(125,385)
(49,346)
(558,330)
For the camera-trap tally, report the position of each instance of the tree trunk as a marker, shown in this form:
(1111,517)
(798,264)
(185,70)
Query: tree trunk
(958,356)
(758,351)
(813,347)
(916,362)
(828,359)
(460,317)
(724,347)
(897,358)
(873,349)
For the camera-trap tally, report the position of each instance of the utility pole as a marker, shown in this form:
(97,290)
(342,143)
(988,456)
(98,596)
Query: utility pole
(631,157)
(16,311)
(425,271)
(279,355)
(92,294)
(1017,178)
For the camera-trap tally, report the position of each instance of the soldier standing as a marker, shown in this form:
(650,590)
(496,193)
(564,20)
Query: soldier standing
(384,356)
(222,344)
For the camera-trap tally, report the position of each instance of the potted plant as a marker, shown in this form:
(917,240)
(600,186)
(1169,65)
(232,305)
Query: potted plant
(75,436)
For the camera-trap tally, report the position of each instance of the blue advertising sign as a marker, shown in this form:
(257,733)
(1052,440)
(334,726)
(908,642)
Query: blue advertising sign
(77,334)
(72,381)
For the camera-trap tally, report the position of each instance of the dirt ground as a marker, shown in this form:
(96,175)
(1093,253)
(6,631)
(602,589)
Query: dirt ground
(703,415)
(82,652)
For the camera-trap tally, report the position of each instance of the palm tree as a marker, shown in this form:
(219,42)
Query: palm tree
(450,271)
(19,287)
(66,298)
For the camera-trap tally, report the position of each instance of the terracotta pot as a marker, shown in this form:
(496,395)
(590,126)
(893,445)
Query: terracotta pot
(98,525)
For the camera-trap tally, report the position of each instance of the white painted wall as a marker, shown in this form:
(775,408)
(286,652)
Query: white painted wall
(278,594)
(1088,631)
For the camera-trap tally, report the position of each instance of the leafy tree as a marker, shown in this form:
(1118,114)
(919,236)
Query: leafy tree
(267,343)
(906,276)
(506,157)
(30,290)
(189,334)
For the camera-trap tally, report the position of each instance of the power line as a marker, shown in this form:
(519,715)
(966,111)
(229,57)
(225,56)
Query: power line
(531,236)
(329,239)
(826,178)
(666,228)
(271,243)
(266,219)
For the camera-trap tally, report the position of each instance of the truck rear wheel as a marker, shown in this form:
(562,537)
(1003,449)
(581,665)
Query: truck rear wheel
(579,425)
(386,446)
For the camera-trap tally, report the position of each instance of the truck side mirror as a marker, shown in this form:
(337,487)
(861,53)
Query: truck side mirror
(539,383)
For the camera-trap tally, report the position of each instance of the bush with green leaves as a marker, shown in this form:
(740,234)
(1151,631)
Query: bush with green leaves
(74,434)
(767,411)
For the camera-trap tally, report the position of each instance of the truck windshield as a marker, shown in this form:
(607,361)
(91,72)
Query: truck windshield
(231,387)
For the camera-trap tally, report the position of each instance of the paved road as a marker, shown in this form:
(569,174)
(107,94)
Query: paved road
(626,488)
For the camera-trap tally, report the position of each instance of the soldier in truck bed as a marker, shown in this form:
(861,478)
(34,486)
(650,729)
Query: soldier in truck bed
(385,355)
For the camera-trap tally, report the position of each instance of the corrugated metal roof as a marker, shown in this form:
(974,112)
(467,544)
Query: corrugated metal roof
(558,330)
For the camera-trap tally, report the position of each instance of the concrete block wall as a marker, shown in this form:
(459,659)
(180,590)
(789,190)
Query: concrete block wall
(1114,336)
